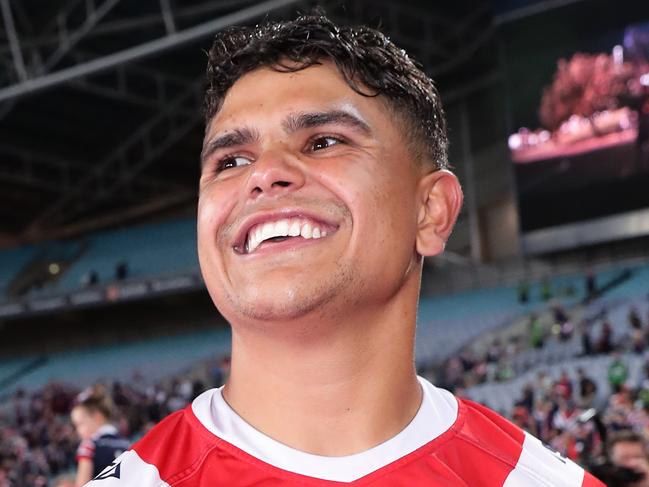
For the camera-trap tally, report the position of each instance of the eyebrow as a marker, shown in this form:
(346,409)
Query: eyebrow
(232,138)
(301,121)
(291,124)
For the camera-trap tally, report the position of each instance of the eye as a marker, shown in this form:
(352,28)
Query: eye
(321,142)
(230,162)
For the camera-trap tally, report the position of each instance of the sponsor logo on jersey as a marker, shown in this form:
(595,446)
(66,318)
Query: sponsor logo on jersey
(555,452)
(111,471)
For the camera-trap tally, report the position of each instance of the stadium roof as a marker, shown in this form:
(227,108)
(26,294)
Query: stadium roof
(100,119)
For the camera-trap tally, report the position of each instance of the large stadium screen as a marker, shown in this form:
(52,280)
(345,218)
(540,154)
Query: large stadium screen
(581,154)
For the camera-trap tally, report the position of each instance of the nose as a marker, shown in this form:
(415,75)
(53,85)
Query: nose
(274,173)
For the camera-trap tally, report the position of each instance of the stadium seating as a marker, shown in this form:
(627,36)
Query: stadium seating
(12,262)
(447,323)
(615,305)
(147,250)
(152,359)
(636,285)
(501,396)
(556,356)
(12,367)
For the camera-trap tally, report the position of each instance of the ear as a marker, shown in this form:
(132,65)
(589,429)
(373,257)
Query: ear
(440,198)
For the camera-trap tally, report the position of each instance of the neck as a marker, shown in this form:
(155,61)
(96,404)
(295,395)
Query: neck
(355,383)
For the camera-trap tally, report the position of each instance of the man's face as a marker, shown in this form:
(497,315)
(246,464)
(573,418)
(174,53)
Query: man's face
(308,198)
(631,455)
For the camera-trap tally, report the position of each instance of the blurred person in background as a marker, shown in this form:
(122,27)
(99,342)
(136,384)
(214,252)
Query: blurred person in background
(591,284)
(563,387)
(628,449)
(524,291)
(586,340)
(546,289)
(101,443)
(634,318)
(618,372)
(567,415)
(587,389)
(605,340)
(536,331)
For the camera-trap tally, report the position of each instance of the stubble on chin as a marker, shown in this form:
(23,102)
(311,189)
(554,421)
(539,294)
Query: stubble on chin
(319,298)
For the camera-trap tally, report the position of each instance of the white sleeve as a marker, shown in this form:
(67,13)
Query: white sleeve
(540,466)
(128,470)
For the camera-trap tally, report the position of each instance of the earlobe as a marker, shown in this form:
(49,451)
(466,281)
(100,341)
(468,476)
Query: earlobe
(440,197)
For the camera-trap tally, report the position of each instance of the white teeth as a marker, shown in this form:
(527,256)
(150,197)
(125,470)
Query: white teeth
(293,227)
(307,230)
(294,230)
(281,228)
(267,231)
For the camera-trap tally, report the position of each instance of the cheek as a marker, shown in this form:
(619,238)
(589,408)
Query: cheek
(214,206)
(82,431)
(381,209)
(377,194)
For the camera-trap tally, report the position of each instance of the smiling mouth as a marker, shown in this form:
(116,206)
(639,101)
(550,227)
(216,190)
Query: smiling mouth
(271,232)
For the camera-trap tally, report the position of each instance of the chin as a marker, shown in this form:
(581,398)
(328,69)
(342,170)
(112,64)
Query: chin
(286,304)
(291,299)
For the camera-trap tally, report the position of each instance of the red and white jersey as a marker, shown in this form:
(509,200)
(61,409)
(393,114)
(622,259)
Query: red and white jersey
(450,442)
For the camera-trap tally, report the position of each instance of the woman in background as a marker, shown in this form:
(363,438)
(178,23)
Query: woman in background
(100,443)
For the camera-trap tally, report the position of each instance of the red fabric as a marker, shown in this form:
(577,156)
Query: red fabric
(590,481)
(486,448)
(481,448)
(86,450)
(176,447)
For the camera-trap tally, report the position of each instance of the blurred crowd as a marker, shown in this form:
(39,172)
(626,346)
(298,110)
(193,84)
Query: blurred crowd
(573,419)
(504,354)
(590,426)
(38,442)
(596,336)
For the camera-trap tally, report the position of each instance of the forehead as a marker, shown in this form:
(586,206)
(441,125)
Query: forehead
(78,413)
(268,91)
(627,448)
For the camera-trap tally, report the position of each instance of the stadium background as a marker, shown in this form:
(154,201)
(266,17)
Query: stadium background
(100,132)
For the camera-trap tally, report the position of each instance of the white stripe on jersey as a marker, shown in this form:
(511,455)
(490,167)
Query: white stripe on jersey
(128,470)
(539,466)
(436,414)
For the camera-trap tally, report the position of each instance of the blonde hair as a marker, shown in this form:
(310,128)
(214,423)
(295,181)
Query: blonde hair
(96,399)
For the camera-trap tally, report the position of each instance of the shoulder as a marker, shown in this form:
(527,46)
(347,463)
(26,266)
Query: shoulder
(168,453)
(112,440)
(495,445)
(490,430)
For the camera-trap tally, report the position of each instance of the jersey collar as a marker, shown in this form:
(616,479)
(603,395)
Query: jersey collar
(437,413)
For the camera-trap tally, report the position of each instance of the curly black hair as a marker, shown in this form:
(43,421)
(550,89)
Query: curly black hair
(369,62)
